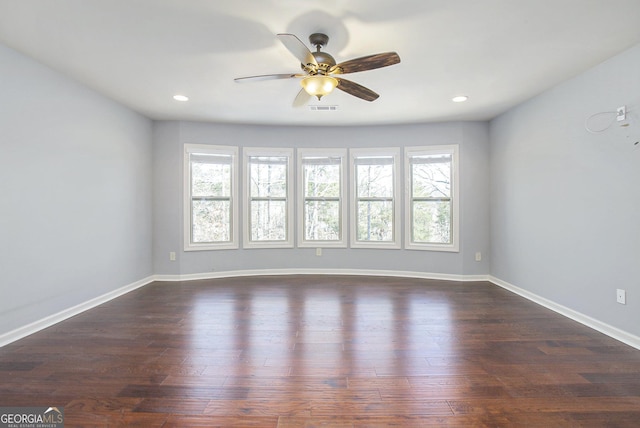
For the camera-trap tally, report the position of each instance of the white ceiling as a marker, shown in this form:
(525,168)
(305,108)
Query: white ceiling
(142,52)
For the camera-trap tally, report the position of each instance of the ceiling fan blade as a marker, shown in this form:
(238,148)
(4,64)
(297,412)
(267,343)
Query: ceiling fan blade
(301,99)
(267,77)
(356,90)
(364,63)
(298,49)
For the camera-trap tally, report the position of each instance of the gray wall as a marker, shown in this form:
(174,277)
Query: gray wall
(565,210)
(75,193)
(170,138)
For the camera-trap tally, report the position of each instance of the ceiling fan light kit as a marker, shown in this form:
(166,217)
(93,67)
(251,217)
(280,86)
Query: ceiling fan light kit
(320,69)
(319,85)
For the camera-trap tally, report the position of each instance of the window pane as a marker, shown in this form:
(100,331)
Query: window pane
(322,220)
(210,179)
(431,176)
(210,221)
(322,181)
(375,221)
(268,176)
(432,222)
(374,180)
(268,220)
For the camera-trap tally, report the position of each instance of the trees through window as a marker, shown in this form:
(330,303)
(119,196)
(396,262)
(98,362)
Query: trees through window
(375,211)
(211,197)
(431,205)
(268,210)
(375,220)
(321,197)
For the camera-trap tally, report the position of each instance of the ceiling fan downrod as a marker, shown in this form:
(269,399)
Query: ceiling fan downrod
(319,40)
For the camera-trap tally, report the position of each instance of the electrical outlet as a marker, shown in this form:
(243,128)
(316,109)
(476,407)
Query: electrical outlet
(478,256)
(318,251)
(172,256)
(621,296)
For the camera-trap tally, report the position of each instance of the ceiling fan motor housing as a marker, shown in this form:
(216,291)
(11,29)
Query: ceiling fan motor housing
(324,60)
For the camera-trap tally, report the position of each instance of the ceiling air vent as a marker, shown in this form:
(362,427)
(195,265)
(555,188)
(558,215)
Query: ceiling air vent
(323,108)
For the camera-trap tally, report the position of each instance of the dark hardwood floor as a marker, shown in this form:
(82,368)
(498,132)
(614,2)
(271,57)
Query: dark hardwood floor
(334,351)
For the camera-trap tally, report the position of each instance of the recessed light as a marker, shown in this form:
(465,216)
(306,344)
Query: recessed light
(460,99)
(180,98)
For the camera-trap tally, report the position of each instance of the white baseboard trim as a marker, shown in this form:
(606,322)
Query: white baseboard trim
(43,323)
(609,330)
(303,271)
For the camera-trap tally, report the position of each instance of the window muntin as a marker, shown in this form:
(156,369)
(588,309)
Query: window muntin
(375,211)
(432,205)
(268,217)
(211,197)
(321,196)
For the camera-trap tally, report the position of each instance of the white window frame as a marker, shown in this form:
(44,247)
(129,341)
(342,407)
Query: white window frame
(410,152)
(302,154)
(289,230)
(233,215)
(394,153)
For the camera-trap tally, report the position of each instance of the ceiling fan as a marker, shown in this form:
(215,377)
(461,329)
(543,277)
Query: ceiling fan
(320,69)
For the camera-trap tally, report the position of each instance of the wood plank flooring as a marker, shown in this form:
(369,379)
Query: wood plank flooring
(324,351)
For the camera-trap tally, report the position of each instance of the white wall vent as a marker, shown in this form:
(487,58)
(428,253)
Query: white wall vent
(323,108)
